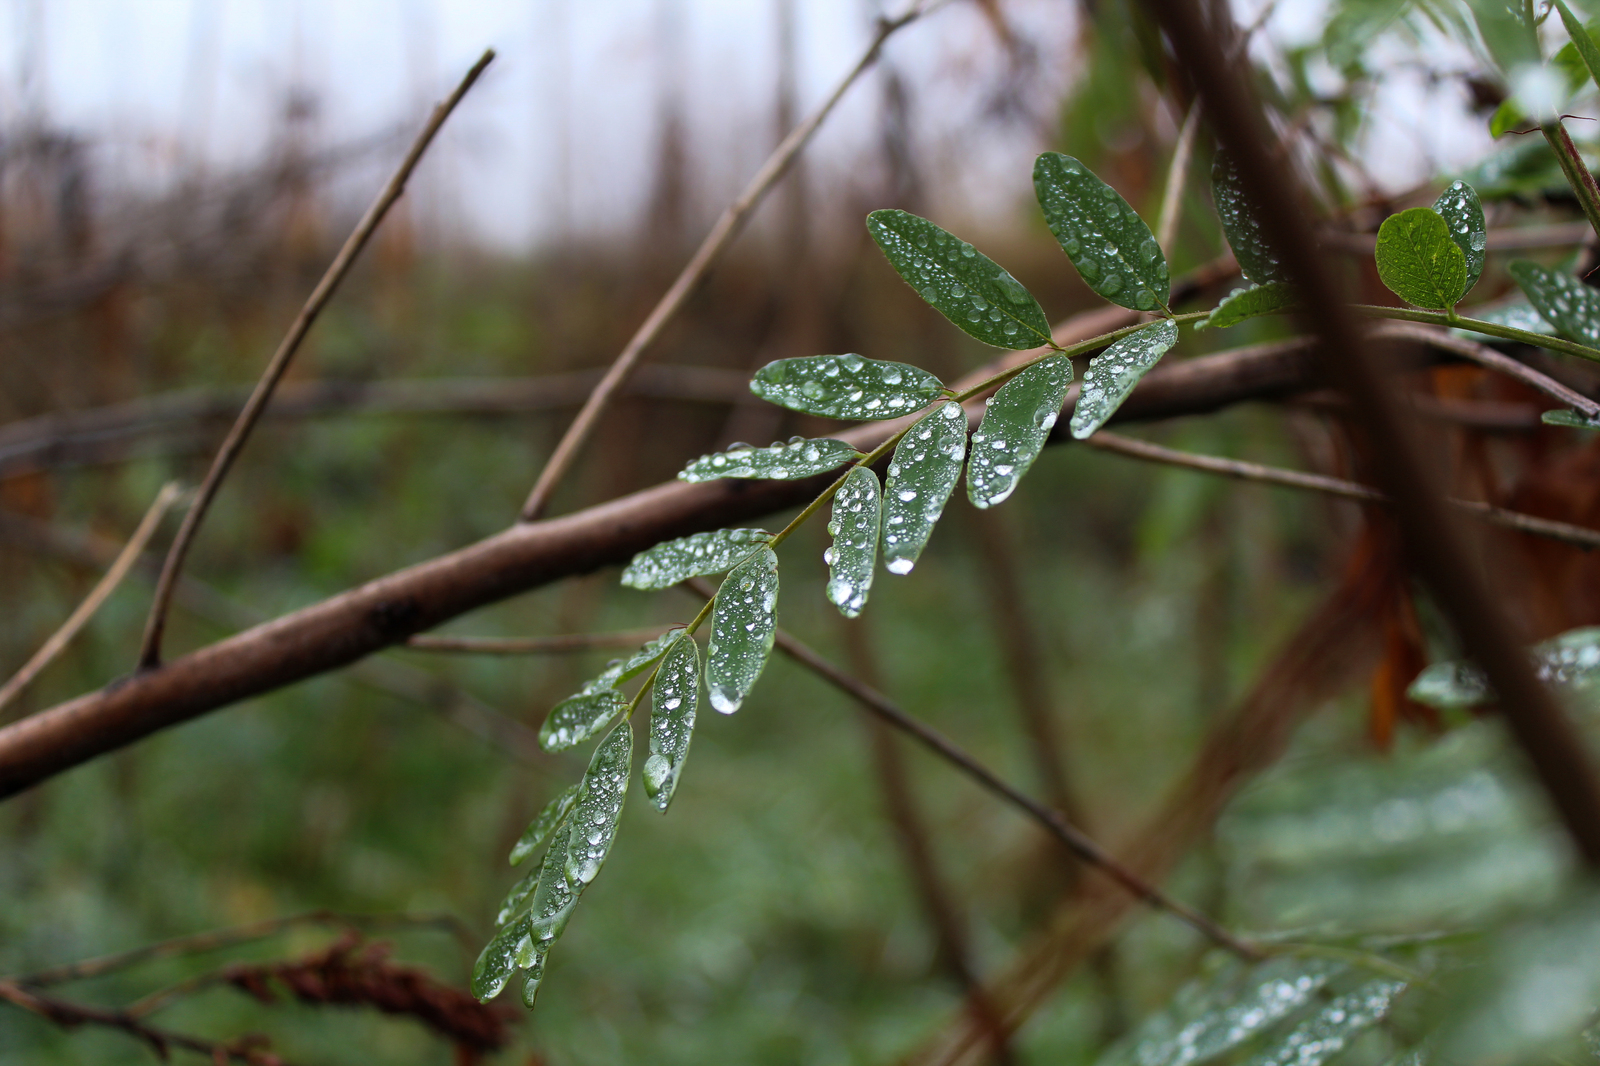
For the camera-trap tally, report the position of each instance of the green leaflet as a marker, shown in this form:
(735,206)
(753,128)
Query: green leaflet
(547,822)
(846,386)
(1419,260)
(961,283)
(599,806)
(678,560)
(553,898)
(1570,660)
(512,905)
(1241,304)
(1570,419)
(1507,117)
(1580,56)
(498,960)
(1327,1032)
(673,702)
(1511,41)
(922,474)
(1114,372)
(1458,205)
(799,458)
(1113,250)
(533,975)
(854,524)
(1564,301)
(1015,426)
(577,718)
(1257,261)
(743,625)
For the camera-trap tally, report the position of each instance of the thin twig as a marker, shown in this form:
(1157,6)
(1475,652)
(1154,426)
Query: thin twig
(1053,822)
(150,653)
(568,642)
(722,234)
(1177,177)
(1486,356)
(1296,479)
(79,618)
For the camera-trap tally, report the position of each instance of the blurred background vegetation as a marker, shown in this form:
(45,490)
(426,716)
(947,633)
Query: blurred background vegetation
(771,917)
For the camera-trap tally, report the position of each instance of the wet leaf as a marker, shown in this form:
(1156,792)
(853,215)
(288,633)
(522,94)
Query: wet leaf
(1571,419)
(545,823)
(1248,303)
(648,653)
(1570,660)
(498,960)
(1113,250)
(1114,372)
(1562,300)
(1015,426)
(1330,1030)
(673,702)
(678,560)
(520,892)
(961,283)
(1419,260)
(554,897)
(533,976)
(854,524)
(1257,260)
(797,459)
(599,806)
(1463,216)
(743,625)
(1518,315)
(846,386)
(577,718)
(922,474)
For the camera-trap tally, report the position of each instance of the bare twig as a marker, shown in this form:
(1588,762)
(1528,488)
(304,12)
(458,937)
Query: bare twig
(727,227)
(1435,545)
(79,618)
(150,653)
(1177,177)
(1486,356)
(568,642)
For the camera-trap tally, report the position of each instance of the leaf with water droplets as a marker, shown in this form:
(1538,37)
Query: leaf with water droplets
(1015,426)
(547,822)
(961,283)
(555,895)
(1330,1030)
(1564,301)
(743,626)
(1570,419)
(678,560)
(1450,686)
(1114,251)
(673,702)
(1258,262)
(797,459)
(577,718)
(1114,372)
(599,806)
(514,902)
(533,976)
(1249,303)
(922,474)
(846,386)
(1570,660)
(1519,314)
(857,509)
(498,960)
(1419,260)
(1458,205)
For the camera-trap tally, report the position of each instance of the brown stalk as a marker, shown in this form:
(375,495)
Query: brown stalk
(727,227)
(150,652)
(566,642)
(1435,546)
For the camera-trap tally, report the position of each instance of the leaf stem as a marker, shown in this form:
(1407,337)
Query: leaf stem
(1577,174)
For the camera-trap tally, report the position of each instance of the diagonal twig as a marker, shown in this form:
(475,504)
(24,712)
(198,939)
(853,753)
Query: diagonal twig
(1486,356)
(727,227)
(566,642)
(80,617)
(150,652)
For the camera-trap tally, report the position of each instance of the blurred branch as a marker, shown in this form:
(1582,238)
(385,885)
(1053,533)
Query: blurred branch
(1177,177)
(1296,479)
(567,642)
(1487,357)
(102,591)
(150,653)
(726,228)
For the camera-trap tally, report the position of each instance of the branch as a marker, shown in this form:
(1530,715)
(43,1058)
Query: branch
(727,227)
(150,653)
(567,642)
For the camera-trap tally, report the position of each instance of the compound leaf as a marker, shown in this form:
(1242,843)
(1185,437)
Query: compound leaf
(1015,426)
(577,718)
(1462,212)
(743,625)
(1114,372)
(922,474)
(673,702)
(1562,300)
(599,806)
(1113,250)
(777,462)
(1249,303)
(961,283)
(544,824)
(1419,260)
(1257,261)
(678,560)
(854,524)
(846,386)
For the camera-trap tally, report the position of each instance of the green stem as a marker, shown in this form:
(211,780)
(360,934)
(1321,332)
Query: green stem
(1577,174)
(650,679)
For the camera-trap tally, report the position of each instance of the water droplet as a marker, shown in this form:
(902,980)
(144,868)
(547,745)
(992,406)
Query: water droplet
(899,566)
